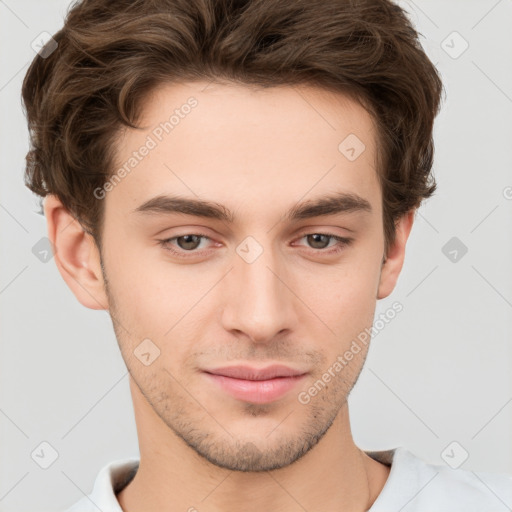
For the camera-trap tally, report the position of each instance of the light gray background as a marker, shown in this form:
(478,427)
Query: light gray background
(438,373)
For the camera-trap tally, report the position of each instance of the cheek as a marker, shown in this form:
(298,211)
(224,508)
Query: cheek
(143,296)
(344,297)
(159,300)
(346,302)
(345,288)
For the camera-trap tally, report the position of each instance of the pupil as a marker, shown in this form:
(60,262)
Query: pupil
(189,239)
(316,238)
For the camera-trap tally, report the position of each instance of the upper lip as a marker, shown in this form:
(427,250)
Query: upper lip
(251,373)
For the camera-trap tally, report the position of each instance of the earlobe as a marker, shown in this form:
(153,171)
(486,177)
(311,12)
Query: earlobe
(394,259)
(76,255)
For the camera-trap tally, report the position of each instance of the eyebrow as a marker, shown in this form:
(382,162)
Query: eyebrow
(331,204)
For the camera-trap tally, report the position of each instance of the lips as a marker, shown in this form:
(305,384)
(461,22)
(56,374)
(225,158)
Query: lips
(250,373)
(256,385)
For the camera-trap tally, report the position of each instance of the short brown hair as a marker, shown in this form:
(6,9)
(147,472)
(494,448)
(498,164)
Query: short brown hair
(111,54)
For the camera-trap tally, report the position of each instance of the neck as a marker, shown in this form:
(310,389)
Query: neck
(333,475)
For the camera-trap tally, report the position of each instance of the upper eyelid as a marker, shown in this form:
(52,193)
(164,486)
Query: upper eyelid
(308,230)
(301,235)
(339,238)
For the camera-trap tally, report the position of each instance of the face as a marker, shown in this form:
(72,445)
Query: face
(270,280)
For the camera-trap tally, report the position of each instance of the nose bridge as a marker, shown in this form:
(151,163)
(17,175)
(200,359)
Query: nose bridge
(260,305)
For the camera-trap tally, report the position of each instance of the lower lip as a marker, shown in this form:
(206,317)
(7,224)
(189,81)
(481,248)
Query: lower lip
(256,391)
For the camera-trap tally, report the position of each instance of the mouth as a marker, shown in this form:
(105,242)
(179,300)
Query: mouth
(259,386)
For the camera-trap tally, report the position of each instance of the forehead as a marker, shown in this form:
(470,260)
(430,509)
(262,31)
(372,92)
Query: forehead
(243,146)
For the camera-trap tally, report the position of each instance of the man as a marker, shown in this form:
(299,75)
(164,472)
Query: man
(236,181)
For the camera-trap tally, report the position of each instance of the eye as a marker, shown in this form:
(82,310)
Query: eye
(190,242)
(185,243)
(320,242)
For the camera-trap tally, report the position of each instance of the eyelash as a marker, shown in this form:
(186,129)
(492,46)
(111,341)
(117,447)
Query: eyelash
(343,242)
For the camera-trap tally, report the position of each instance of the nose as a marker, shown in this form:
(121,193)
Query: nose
(259,302)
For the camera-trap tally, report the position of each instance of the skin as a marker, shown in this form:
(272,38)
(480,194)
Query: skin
(258,153)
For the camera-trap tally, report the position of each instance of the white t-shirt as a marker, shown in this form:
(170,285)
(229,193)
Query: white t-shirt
(412,486)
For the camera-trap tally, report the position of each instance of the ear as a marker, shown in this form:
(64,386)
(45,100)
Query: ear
(76,255)
(395,257)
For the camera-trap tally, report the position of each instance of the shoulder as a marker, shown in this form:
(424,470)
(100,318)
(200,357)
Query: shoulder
(110,480)
(414,485)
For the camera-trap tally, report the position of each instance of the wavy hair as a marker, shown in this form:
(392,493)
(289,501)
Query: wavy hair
(111,54)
